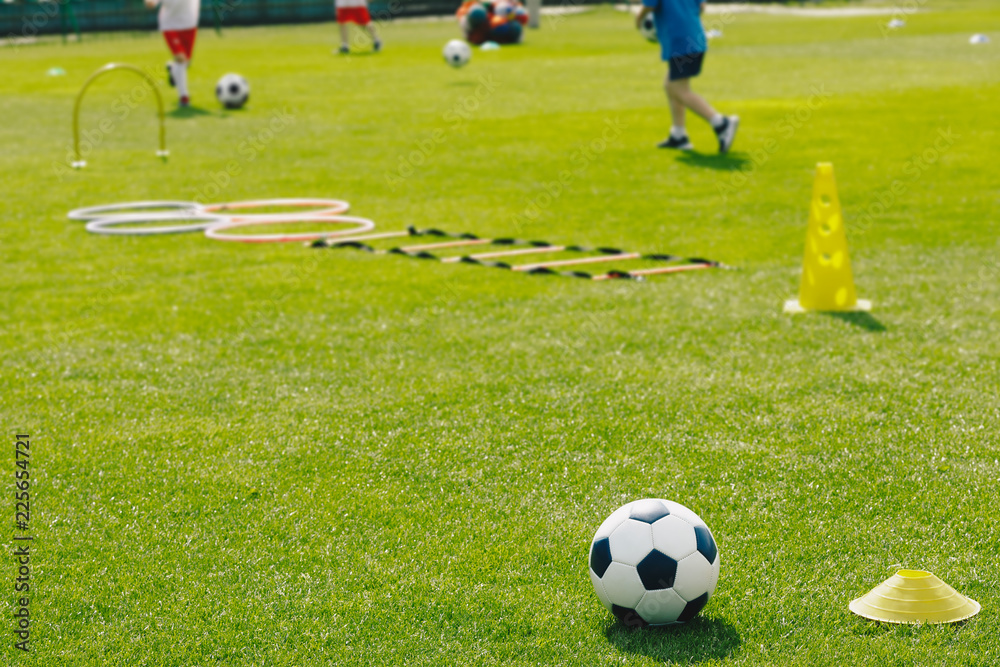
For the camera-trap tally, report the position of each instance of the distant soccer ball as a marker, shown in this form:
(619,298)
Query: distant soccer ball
(232,91)
(654,562)
(457,53)
(648,28)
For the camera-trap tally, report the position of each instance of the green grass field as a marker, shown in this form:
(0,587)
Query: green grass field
(273,455)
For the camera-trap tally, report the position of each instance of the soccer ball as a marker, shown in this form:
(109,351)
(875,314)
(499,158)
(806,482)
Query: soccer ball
(457,53)
(232,91)
(648,28)
(654,562)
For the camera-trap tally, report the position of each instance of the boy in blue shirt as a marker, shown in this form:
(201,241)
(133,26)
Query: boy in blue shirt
(682,46)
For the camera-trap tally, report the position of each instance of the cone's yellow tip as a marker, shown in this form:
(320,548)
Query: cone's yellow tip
(914,596)
(827,281)
(914,574)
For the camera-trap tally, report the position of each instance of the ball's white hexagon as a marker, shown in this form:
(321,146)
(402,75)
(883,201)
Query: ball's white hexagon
(674,537)
(696,576)
(631,542)
(622,585)
(716,566)
(678,510)
(602,593)
(612,522)
(661,607)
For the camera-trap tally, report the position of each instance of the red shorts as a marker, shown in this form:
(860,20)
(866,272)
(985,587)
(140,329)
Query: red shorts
(357,15)
(180,41)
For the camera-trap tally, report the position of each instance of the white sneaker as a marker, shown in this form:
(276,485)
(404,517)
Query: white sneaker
(727,132)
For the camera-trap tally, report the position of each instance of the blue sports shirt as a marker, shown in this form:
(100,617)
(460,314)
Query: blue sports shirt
(678,26)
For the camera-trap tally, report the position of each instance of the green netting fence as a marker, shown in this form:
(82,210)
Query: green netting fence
(23,20)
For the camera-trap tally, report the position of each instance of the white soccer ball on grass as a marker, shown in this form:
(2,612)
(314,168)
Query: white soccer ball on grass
(457,53)
(654,562)
(232,91)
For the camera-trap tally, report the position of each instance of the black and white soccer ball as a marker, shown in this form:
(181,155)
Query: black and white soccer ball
(654,562)
(457,53)
(232,91)
(648,28)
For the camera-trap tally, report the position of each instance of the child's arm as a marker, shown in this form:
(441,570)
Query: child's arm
(151,4)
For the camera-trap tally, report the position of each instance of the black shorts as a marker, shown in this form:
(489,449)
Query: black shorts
(686,66)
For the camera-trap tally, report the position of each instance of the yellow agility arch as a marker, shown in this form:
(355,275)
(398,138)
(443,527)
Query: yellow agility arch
(79,162)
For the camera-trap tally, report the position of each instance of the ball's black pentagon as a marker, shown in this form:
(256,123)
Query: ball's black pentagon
(650,511)
(706,543)
(630,618)
(657,571)
(234,88)
(692,608)
(218,91)
(600,556)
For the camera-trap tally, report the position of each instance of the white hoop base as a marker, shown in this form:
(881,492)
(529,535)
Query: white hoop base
(108,225)
(214,232)
(130,208)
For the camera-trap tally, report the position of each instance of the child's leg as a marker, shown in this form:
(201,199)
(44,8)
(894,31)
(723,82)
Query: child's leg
(682,97)
(370,27)
(181,43)
(180,67)
(344,36)
(678,111)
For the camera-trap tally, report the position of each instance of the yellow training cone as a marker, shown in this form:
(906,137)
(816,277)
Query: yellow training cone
(827,282)
(915,596)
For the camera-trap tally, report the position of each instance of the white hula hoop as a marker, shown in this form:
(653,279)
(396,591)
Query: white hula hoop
(108,225)
(326,207)
(111,210)
(213,231)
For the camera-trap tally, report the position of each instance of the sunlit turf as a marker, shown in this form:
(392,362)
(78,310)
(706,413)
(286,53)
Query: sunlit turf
(275,455)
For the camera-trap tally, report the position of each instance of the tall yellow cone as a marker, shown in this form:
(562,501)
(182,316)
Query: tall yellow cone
(827,282)
(914,596)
